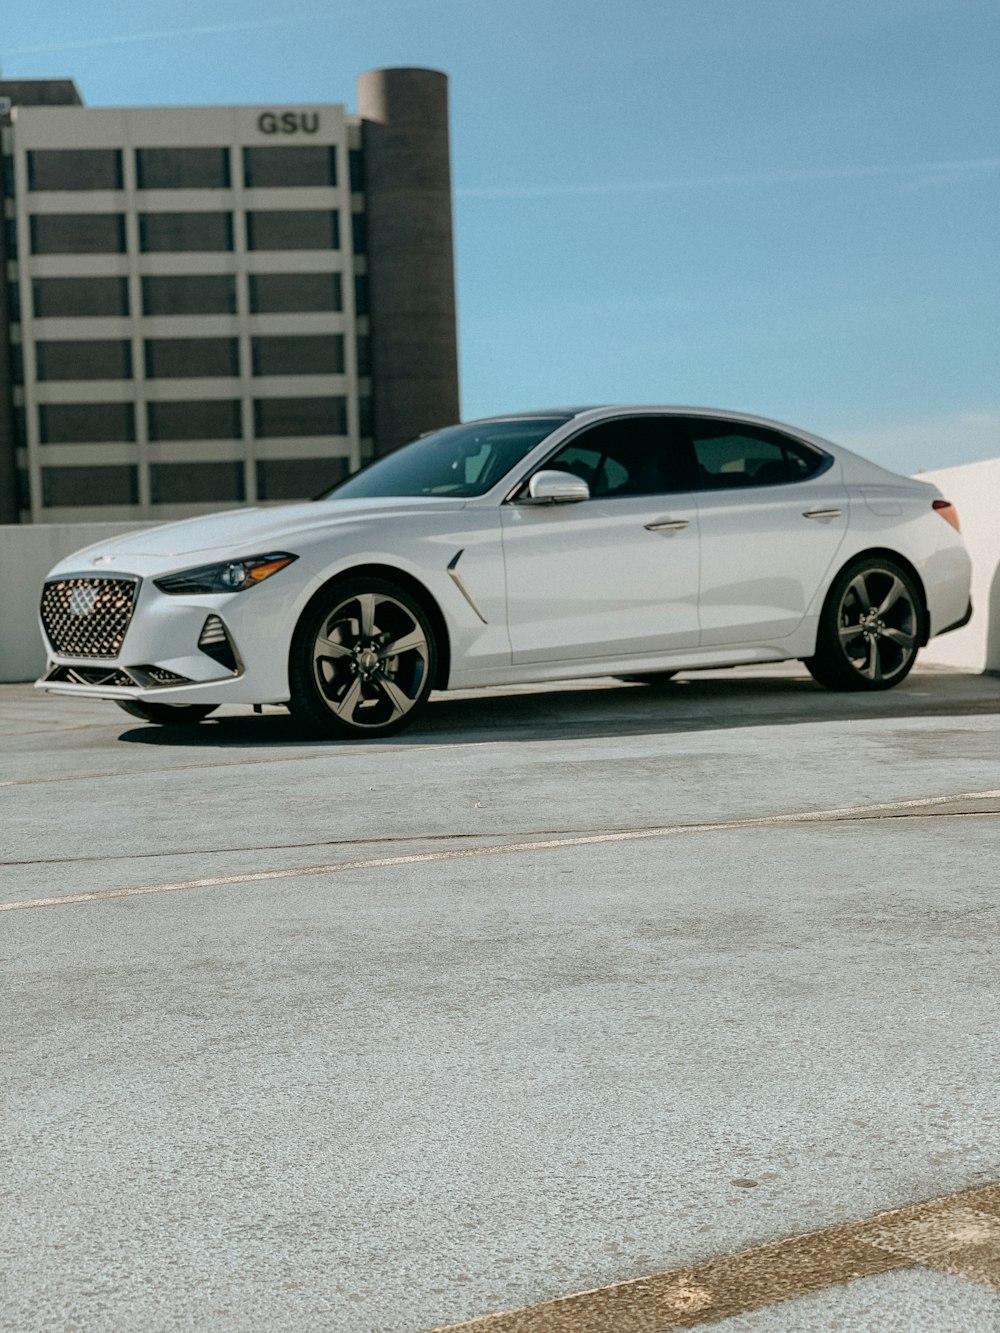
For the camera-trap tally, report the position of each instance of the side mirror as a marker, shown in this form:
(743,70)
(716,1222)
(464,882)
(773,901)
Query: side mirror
(550,487)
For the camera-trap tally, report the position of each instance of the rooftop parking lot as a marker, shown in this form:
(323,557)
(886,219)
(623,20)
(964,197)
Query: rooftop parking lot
(565,986)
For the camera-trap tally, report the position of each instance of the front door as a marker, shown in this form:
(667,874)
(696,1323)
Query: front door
(616,575)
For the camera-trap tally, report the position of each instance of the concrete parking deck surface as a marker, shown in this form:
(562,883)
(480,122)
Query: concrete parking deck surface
(566,986)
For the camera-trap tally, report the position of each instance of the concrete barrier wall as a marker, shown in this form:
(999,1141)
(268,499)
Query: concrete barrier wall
(975,490)
(27,553)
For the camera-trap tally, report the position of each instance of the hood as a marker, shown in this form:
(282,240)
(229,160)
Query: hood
(246,532)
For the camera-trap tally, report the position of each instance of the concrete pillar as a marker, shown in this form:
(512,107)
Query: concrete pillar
(410,255)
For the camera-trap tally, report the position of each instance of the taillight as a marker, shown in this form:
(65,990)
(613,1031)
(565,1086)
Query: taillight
(948,512)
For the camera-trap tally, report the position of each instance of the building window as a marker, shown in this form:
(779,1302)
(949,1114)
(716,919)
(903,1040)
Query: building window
(202,419)
(68,487)
(86,423)
(288,167)
(185,231)
(194,483)
(295,293)
(79,298)
(317,354)
(287,229)
(364,349)
(90,359)
(191,358)
(278,417)
(356,169)
(10,237)
(75,169)
(16,363)
(359,233)
(365,424)
(77,234)
(361,301)
(298,478)
(182,168)
(14,301)
(190,294)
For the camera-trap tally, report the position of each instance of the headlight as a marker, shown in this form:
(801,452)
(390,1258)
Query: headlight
(229,576)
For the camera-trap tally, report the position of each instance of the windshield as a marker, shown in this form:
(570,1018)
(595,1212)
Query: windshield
(459,460)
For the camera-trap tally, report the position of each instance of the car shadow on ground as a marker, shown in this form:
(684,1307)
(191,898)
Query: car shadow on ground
(571,713)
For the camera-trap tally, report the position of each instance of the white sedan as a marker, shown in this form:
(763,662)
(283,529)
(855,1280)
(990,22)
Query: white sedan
(626,541)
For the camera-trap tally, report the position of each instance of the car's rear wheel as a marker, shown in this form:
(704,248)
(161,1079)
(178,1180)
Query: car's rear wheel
(363,660)
(167,715)
(870,628)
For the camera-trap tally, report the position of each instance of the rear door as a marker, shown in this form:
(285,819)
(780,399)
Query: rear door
(773,513)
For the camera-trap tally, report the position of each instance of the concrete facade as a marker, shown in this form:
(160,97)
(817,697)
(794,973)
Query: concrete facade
(188,296)
(974,489)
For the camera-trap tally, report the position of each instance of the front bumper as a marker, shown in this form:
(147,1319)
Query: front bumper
(172,648)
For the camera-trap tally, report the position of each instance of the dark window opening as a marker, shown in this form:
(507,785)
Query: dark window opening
(289,167)
(298,478)
(191,358)
(277,417)
(190,294)
(84,359)
(182,168)
(79,298)
(75,169)
(196,483)
(102,485)
(200,419)
(287,229)
(77,233)
(185,232)
(86,423)
(295,293)
(310,354)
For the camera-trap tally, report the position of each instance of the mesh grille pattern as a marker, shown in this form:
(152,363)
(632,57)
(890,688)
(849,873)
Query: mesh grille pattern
(91,676)
(88,617)
(161,676)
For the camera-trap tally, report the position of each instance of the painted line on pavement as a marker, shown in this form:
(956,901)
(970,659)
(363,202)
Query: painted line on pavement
(958,1233)
(840,814)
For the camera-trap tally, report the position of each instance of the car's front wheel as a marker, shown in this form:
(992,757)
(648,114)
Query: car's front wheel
(167,715)
(870,628)
(363,660)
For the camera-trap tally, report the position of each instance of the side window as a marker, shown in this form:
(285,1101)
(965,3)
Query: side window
(627,457)
(730,456)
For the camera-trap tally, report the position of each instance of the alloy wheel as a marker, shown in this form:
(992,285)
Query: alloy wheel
(371,659)
(878,625)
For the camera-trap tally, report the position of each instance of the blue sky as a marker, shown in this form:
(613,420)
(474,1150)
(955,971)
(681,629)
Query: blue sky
(785,206)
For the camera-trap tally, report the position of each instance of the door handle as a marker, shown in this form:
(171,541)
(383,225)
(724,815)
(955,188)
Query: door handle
(822,513)
(667,525)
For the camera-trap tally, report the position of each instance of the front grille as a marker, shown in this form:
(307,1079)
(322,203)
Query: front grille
(161,676)
(113,676)
(87,617)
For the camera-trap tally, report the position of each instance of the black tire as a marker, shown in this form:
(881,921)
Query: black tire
(649,678)
(344,680)
(167,715)
(870,629)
